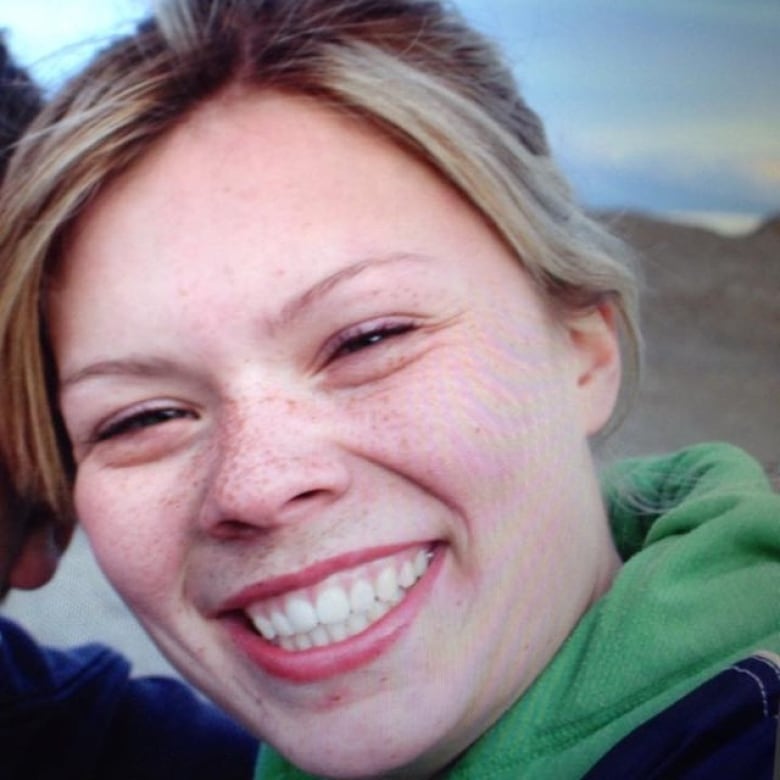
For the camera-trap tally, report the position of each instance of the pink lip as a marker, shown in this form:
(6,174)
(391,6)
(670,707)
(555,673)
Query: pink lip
(308,576)
(320,663)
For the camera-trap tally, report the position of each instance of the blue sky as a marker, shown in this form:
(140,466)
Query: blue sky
(666,106)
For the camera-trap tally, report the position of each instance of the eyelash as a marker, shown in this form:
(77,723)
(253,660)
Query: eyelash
(140,420)
(365,337)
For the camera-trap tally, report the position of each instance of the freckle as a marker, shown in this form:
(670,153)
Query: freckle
(334,699)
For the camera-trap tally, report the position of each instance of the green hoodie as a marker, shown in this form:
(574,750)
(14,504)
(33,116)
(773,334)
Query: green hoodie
(699,532)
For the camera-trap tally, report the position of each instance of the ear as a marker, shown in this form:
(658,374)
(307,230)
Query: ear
(39,556)
(595,344)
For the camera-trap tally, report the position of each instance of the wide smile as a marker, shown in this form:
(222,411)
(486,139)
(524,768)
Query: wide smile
(341,606)
(337,623)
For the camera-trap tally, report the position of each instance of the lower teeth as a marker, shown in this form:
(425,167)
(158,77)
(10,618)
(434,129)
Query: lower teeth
(324,635)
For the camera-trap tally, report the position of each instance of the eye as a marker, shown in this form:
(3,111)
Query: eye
(368,336)
(140,420)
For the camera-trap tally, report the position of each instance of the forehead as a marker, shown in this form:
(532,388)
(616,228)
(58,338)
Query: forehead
(265,183)
(240,154)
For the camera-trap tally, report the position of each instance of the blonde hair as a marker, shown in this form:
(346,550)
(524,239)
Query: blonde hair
(412,68)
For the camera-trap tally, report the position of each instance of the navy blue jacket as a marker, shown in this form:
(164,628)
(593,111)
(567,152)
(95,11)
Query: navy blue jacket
(724,730)
(77,715)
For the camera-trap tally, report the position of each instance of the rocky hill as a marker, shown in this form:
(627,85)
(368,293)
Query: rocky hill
(711,318)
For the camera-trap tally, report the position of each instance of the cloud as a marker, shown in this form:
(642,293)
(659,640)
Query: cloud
(665,185)
(738,140)
(731,165)
(766,173)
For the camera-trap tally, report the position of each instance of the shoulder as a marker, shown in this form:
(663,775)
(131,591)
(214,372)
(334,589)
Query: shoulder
(35,676)
(78,713)
(725,728)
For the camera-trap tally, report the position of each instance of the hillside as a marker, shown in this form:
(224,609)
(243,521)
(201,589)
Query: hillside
(711,318)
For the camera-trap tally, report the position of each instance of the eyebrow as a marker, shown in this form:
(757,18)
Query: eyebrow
(140,367)
(299,303)
(294,308)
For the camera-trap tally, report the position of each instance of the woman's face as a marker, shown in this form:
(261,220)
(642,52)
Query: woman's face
(331,446)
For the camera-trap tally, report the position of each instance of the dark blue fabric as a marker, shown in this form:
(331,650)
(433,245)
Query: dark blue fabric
(724,730)
(77,715)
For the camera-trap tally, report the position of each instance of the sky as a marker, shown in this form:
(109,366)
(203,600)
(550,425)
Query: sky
(670,107)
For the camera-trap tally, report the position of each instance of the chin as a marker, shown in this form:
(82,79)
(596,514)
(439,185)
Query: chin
(355,744)
(363,762)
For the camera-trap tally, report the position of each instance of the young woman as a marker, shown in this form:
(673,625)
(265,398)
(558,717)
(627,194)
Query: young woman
(301,322)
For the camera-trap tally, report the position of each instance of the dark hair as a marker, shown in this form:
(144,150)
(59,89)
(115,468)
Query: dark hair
(20,101)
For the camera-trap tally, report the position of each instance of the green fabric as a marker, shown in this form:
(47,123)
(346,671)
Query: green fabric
(700,534)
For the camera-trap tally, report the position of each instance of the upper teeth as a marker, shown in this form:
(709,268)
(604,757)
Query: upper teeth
(340,606)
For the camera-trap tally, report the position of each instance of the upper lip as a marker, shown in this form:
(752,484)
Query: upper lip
(309,575)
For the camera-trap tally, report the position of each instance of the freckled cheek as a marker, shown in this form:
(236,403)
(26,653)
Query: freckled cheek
(479,420)
(136,531)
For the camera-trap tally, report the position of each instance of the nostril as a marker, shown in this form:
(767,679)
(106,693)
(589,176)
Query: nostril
(233,529)
(306,495)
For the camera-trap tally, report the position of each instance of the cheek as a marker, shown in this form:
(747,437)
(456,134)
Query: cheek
(477,424)
(133,527)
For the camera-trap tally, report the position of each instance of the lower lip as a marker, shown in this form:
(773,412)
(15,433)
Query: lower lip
(306,666)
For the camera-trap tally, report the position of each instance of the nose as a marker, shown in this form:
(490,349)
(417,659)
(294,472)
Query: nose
(271,462)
